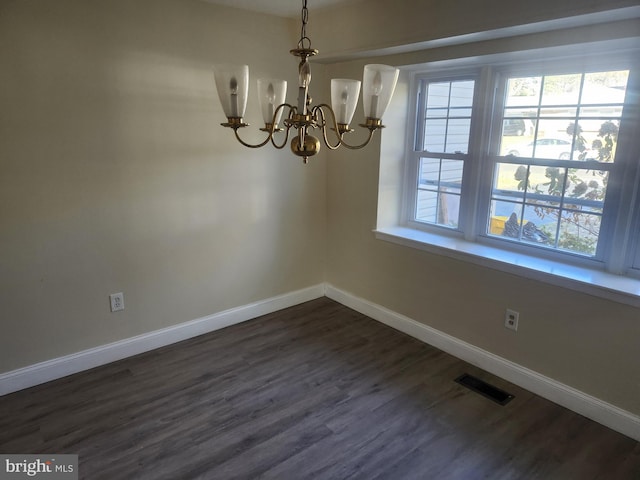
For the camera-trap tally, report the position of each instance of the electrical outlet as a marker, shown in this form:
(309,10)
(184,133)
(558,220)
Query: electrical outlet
(511,319)
(117,301)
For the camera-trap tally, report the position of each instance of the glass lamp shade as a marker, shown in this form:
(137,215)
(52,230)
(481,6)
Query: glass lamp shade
(344,98)
(379,82)
(232,82)
(272,93)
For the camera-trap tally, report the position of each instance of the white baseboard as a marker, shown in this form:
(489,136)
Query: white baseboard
(575,400)
(61,367)
(602,412)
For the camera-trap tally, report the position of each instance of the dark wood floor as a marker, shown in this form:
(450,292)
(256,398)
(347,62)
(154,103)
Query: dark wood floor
(314,391)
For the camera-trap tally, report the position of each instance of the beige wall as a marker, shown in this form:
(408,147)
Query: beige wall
(582,341)
(115,175)
(368,25)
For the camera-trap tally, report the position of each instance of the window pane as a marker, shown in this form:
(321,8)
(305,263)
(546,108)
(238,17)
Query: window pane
(510,180)
(548,112)
(438,95)
(586,190)
(439,189)
(429,172)
(561,89)
(524,112)
(449,210)
(462,93)
(600,139)
(447,120)
(427,206)
(501,211)
(451,175)
(438,208)
(458,135)
(523,91)
(437,112)
(600,113)
(517,127)
(568,112)
(435,135)
(546,186)
(540,224)
(579,232)
(604,87)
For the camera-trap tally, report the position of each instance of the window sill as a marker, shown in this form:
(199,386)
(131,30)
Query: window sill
(617,288)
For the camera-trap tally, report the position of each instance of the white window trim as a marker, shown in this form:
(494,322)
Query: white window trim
(585,276)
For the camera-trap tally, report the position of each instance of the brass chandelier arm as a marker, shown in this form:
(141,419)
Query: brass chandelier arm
(270,130)
(357,147)
(286,136)
(284,143)
(320,113)
(235,130)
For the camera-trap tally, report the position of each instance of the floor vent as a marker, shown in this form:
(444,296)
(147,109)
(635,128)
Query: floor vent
(483,388)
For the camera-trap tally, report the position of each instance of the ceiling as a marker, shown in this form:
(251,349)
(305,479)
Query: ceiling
(283,8)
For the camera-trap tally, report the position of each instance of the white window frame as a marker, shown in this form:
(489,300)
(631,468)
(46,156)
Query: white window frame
(415,155)
(620,254)
(466,222)
(603,258)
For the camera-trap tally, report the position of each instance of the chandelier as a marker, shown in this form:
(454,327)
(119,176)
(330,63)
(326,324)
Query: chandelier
(378,83)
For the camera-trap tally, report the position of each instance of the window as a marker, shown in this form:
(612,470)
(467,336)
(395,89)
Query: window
(553,192)
(444,143)
(536,158)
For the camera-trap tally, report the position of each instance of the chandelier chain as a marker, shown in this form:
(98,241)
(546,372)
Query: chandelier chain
(303,30)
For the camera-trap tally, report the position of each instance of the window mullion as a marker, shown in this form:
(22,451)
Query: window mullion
(621,212)
(492,103)
(471,203)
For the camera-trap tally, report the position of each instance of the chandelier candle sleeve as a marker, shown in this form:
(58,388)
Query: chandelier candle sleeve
(271,93)
(344,98)
(232,82)
(379,82)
